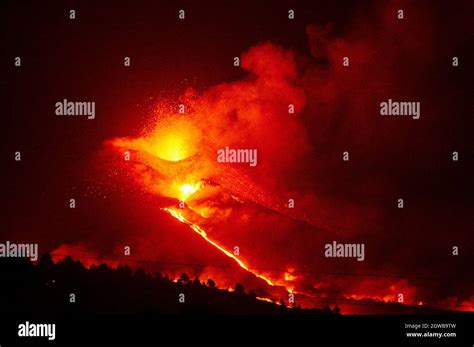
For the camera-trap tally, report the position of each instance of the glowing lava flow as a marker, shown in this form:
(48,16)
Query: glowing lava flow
(203,234)
(267,300)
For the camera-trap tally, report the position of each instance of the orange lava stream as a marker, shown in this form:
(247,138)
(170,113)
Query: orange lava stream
(267,300)
(176,214)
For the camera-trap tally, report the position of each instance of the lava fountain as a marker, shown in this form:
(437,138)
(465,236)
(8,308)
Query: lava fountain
(178,170)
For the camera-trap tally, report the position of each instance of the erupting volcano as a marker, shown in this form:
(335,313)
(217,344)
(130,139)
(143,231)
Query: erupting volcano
(264,220)
(286,178)
(171,169)
(171,161)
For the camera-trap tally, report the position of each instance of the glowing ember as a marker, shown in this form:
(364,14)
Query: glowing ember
(176,214)
(188,189)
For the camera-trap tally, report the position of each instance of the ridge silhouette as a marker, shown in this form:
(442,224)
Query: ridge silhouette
(47,288)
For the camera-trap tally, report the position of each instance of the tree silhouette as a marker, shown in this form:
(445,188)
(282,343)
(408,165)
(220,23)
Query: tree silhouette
(239,289)
(140,274)
(196,282)
(47,287)
(124,271)
(184,279)
(45,263)
(327,309)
